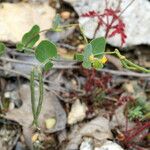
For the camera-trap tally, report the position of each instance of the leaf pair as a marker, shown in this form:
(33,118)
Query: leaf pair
(44,51)
(95,48)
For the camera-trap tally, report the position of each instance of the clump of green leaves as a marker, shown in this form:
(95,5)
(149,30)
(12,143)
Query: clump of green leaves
(140,110)
(44,52)
(93,54)
(136,113)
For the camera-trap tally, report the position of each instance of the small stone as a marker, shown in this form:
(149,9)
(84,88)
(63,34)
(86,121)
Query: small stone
(7,95)
(80,47)
(11,106)
(109,145)
(65,15)
(87,144)
(35,137)
(77,113)
(50,123)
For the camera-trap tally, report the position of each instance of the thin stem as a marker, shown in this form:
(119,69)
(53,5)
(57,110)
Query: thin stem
(137,66)
(18,61)
(131,137)
(50,29)
(41,91)
(103,53)
(130,65)
(126,8)
(32,88)
(29,50)
(35,64)
(36,110)
(85,39)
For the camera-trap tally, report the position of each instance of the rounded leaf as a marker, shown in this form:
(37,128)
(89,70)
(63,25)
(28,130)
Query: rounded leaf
(48,66)
(78,57)
(86,64)
(98,45)
(45,50)
(87,52)
(31,37)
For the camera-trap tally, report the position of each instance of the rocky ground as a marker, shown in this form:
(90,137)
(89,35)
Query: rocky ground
(82,109)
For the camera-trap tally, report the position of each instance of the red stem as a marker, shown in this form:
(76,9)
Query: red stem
(146,125)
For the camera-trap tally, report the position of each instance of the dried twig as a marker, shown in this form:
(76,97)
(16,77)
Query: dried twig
(56,66)
(126,73)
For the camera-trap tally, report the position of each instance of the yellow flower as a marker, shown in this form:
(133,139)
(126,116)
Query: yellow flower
(91,58)
(103,60)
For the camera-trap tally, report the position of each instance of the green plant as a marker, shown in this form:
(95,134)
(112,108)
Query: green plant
(36,103)
(135,113)
(93,56)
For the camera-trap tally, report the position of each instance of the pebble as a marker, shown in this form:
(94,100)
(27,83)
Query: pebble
(109,145)
(65,15)
(87,144)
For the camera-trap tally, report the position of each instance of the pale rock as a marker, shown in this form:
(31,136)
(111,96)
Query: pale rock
(11,106)
(77,113)
(87,144)
(136,18)
(98,129)
(109,145)
(119,119)
(50,123)
(18,18)
(70,1)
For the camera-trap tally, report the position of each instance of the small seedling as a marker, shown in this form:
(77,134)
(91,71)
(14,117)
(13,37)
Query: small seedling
(136,113)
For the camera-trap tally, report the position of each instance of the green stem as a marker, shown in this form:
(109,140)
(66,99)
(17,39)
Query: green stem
(105,53)
(85,39)
(130,65)
(29,50)
(32,88)
(41,95)
(137,66)
(36,110)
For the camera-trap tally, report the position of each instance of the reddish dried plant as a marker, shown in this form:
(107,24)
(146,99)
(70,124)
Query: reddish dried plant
(110,20)
(123,99)
(136,131)
(95,80)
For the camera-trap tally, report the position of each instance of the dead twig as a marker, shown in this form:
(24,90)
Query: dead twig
(126,73)
(56,66)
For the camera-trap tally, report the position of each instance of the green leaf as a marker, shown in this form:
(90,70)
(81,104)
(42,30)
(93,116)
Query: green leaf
(78,57)
(56,22)
(45,50)
(97,65)
(87,52)
(19,46)
(48,66)
(86,64)
(98,45)
(31,37)
(2,48)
